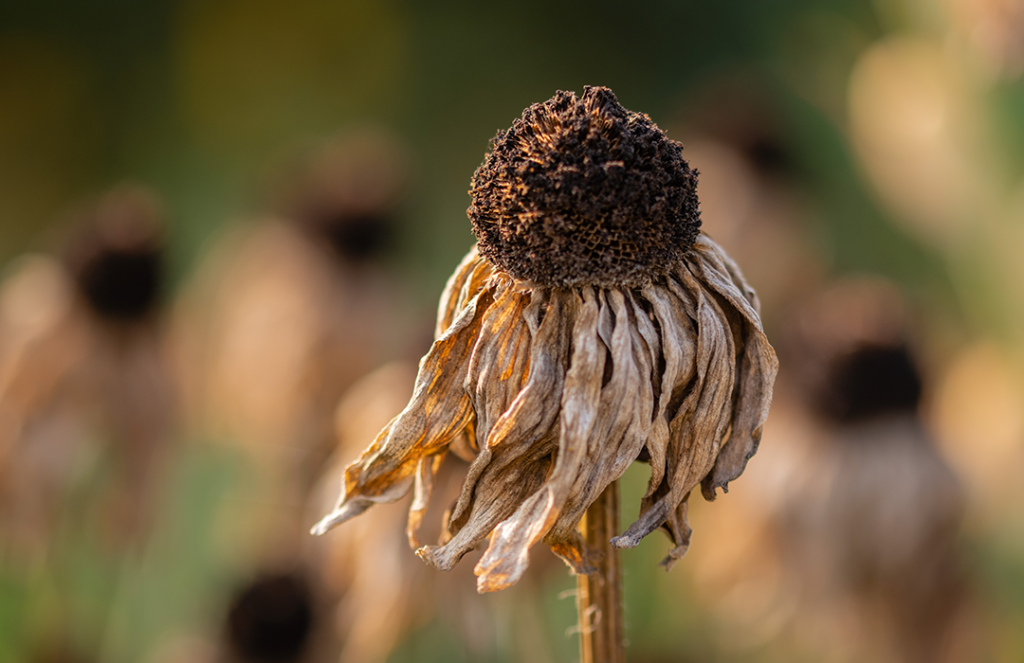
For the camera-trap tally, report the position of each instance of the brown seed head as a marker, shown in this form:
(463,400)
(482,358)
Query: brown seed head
(583,191)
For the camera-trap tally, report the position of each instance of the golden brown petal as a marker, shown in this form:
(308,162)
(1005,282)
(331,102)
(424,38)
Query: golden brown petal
(506,558)
(678,344)
(422,489)
(476,281)
(517,453)
(500,358)
(553,392)
(448,306)
(696,429)
(439,410)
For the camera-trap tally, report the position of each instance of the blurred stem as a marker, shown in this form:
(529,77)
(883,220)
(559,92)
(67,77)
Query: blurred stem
(599,595)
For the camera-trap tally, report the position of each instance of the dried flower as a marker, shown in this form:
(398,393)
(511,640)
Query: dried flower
(83,372)
(593,325)
(290,309)
(868,530)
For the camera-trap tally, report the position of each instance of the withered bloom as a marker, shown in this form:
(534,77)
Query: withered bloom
(83,372)
(592,325)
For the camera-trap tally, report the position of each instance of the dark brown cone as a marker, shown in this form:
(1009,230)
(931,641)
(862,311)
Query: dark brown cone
(583,191)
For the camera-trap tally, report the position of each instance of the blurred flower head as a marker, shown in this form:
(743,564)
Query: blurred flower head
(346,193)
(870,530)
(82,376)
(271,619)
(848,348)
(285,313)
(115,255)
(593,325)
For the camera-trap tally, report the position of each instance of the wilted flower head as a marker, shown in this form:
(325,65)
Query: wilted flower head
(593,325)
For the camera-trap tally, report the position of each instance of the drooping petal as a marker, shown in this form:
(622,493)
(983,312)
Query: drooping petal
(476,280)
(500,359)
(439,410)
(678,343)
(705,247)
(622,425)
(351,503)
(514,461)
(447,307)
(756,371)
(423,487)
(506,557)
(679,531)
(697,428)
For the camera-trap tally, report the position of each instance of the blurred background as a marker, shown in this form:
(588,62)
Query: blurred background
(224,226)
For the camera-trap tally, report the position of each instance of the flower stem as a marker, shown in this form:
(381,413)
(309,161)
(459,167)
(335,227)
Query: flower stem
(599,595)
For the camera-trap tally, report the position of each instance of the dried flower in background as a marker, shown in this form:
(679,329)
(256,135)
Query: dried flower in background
(595,325)
(288,312)
(870,531)
(83,377)
(842,543)
(372,583)
(271,618)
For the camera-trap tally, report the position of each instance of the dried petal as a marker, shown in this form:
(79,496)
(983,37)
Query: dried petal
(553,392)
(523,435)
(506,557)
(698,426)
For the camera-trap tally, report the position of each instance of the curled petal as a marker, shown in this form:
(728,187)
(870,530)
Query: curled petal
(422,489)
(678,341)
(696,430)
(447,308)
(500,359)
(506,558)
(756,371)
(622,425)
(352,505)
(514,461)
(435,415)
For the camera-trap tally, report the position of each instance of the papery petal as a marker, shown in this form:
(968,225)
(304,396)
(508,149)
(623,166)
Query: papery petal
(679,530)
(506,558)
(447,307)
(439,410)
(678,340)
(500,359)
(756,371)
(422,489)
(696,430)
(475,282)
(622,425)
(352,504)
(705,246)
(515,459)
